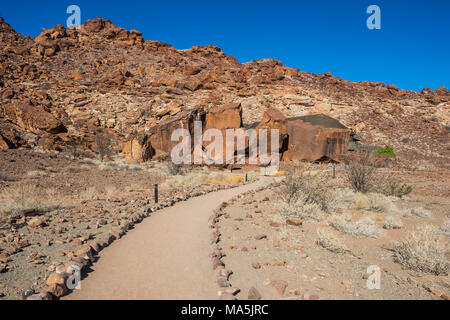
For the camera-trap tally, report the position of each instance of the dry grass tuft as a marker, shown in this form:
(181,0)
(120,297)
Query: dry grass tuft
(424,249)
(380,202)
(330,241)
(393,222)
(420,212)
(445,228)
(364,227)
(25,199)
(306,196)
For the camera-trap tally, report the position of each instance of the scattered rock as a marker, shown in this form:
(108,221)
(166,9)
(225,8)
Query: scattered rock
(279,285)
(253,294)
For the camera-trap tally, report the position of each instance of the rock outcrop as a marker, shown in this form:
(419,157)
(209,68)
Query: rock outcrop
(102,76)
(316,137)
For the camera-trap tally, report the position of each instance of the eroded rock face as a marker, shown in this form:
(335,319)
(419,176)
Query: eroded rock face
(228,116)
(32,118)
(138,149)
(225,117)
(275,119)
(316,137)
(161,135)
(130,84)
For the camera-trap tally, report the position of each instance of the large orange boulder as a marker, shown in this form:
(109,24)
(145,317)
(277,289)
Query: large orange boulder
(225,117)
(316,137)
(274,119)
(10,135)
(161,134)
(138,149)
(32,118)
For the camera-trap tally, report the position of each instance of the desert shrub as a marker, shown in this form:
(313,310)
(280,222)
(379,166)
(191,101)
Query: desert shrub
(26,198)
(310,189)
(330,241)
(393,222)
(363,227)
(387,151)
(445,228)
(110,191)
(420,212)
(6,177)
(300,208)
(227,179)
(35,174)
(380,202)
(424,249)
(361,173)
(90,193)
(174,169)
(361,201)
(397,189)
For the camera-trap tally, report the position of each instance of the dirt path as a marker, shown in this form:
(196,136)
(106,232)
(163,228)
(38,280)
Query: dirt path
(164,257)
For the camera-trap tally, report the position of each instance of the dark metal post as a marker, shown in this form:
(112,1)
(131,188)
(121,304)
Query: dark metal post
(246,178)
(156,193)
(334,171)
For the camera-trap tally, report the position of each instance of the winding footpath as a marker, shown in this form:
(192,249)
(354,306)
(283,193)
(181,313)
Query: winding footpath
(164,257)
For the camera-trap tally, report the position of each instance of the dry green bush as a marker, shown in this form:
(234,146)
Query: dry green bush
(364,227)
(392,222)
(330,241)
(397,189)
(424,249)
(24,199)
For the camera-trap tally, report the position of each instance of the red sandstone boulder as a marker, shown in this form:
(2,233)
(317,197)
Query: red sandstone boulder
(274,119)
(32,118)
(161,134)
(316,137)
(138,149)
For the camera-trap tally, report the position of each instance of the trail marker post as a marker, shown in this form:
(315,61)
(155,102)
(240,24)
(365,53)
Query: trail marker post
(156,193)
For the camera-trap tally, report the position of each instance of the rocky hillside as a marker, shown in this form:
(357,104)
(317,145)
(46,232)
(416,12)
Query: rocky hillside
(72,90)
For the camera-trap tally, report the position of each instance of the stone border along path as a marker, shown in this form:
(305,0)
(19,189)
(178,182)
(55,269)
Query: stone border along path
(84,257)
(165,257)
(226,290)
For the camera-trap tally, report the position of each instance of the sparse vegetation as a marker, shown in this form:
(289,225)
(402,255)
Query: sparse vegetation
(6,177)
(35,174)
(24,199)
(379,202)
(302,188)
(363,227)
(174,169)
(420,212)
(393,222)
(330,241)
(445,228)
(424,249)
(387,151)
(397,189)
(361,173)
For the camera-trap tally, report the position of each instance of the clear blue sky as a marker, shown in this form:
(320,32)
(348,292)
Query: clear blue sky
(412,49)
